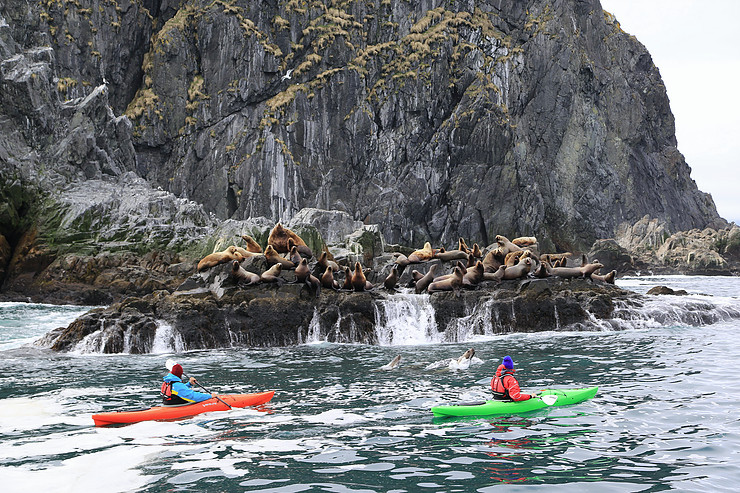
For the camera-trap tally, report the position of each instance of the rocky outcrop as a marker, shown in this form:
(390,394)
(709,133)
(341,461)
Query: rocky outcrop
(432,120)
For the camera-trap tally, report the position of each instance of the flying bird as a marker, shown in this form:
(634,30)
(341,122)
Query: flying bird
(287,75)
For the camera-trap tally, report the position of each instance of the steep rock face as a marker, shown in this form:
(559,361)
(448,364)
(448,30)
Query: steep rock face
(433,120)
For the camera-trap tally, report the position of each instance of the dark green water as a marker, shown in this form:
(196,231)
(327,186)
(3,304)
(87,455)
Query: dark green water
(665,417)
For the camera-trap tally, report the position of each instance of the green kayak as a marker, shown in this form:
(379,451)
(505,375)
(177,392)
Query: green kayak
(546,398)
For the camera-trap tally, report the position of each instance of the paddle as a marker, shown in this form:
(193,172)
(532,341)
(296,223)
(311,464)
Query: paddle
(170,363)
(549,399)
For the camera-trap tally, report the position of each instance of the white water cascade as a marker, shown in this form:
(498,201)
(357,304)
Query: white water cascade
(477,323)
(166,340)
(406,319)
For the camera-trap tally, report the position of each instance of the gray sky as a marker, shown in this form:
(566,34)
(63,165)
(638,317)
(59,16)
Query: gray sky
(696,46)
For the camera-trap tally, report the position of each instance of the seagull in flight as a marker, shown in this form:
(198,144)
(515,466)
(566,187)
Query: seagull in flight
(287,75)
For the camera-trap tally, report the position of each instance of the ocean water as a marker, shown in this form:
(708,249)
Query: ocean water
(665,417)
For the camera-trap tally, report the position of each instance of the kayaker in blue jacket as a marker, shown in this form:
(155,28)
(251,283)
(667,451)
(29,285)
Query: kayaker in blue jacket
(174,391)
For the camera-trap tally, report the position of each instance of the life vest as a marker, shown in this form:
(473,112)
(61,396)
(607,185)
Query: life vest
(498,383)
(168,398)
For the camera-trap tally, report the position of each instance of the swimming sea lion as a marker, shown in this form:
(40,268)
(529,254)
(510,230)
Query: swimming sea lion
(426,253)
(495,276)
(393,364)
(423,283)
(392,279)
(519,270)
(217,258)
(273,274)
(279,238)
(241,275)
(454,283)
(272,257)
(252,245)
(327,280)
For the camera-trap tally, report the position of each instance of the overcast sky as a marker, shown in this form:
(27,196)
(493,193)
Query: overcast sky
(696,46)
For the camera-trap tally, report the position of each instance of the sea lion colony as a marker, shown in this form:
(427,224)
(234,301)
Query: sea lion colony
(468,267)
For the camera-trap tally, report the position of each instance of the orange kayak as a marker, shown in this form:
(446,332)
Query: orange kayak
(183,411)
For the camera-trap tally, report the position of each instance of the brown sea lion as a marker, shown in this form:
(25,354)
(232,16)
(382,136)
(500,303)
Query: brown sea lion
(279,238)
(294,256)
(449,256)
(541,270)
(454,283)
(324,262)
(519,270)
(491,262)
(347,279)
(243,276)
(327,280)
(462,246)
(423,283)
(272,257)
(495,276)
(217,258)
(426,253)
(463,267)
(313,284)
(505,246)
(302,249)
(302,271)
(392,279)
(473,275)
(524,241)
(252,245)
(476,253)
(583,271)
(245,253)
(273,274)
(608,278)
(512,258)
(359,281)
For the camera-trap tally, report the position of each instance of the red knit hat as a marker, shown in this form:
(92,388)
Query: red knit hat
(176,370)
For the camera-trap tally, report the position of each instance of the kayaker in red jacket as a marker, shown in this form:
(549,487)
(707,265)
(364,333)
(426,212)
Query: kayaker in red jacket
(504,385)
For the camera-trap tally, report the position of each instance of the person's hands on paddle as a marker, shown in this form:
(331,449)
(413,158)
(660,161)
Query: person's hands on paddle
(193,381)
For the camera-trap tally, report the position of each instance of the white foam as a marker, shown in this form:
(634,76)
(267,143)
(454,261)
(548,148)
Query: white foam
(335,417)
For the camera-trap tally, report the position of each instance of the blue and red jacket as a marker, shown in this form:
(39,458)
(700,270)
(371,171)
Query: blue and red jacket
(505,387)
(176,392)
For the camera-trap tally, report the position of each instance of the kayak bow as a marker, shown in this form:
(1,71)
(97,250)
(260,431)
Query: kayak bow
(187,410)
(544,399)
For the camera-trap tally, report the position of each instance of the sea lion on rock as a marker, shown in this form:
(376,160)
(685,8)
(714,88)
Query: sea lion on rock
(519,270)
(512,258)
(347,279)
(359,281)
(426,253)
(245,253)
(451,255)
(279,236)
(476,253)
(608,278)
(443,277)
(423,283)
(327,280)
(302,249)
(491,262)
(252,245)
(272,257)
(217,258)
(473,275)
(392,279)
(243,276)
(302,271)
(294,256)
(505,246)
(495,276)
(313,284)
(524,241)
(273,274)
(583,271)
(462,246)
(453,283)
(324,262)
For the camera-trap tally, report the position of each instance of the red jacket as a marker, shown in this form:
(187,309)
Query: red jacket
(507,384)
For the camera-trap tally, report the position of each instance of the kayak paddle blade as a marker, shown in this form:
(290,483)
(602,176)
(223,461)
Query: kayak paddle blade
(169,364)
(549,399)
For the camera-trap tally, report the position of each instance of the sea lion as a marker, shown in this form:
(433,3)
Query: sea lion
(217,258)
(426,253)
(491,262)
(476,253)
(583,271)
(541,270)
(243,276)
(359,282)
(505,246)
(302,249)
(512,258)
(347,279)
(443,277)
(273,274)
(393,364)
(252,245)
(392,279)
(473,275)
(327,280)
(423,283)
(462,246)
(324,262)
(313,284)
(449,256)
(278,238)
(302,271)
(519,270)
(272,257)
(495,276)
(608,278)
(294,256)
(524,241)
(454,283)
(245,253)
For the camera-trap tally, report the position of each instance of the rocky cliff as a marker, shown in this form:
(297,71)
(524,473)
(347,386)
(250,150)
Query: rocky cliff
(431,119)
